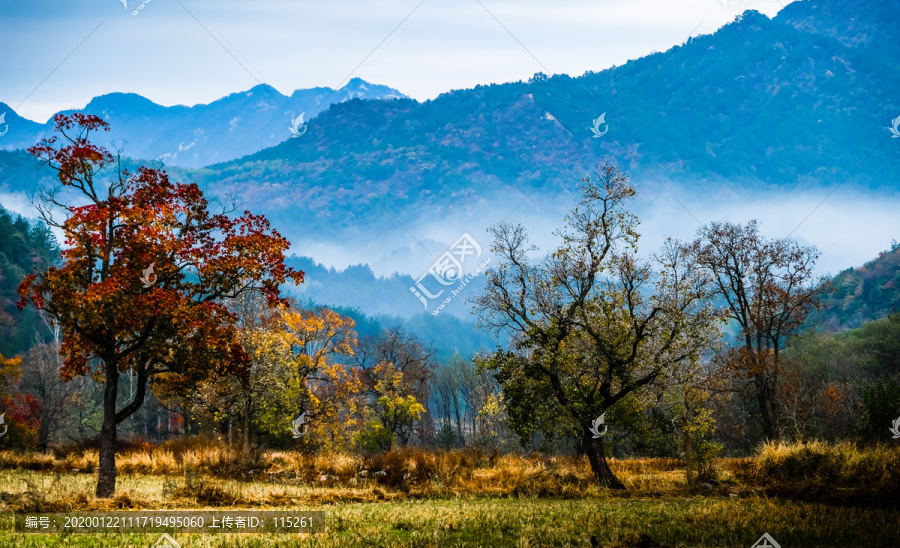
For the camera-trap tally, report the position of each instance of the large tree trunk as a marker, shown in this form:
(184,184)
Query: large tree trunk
(106,479)
(762,399)
(594,449)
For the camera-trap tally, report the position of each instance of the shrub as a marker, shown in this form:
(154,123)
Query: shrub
(706,455)
(881,406)
(823,469)
(374,438)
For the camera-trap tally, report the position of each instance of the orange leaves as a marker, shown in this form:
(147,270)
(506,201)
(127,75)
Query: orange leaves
(10,368)
(73,161)
(836,394)
(146,265)
(87,122)
(314,341)
(26,292)
(747,363)
(75,364)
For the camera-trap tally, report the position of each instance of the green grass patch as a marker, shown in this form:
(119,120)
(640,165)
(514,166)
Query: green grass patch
(658,522)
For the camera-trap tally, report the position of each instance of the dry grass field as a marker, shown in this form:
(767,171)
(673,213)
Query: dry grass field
(803,495)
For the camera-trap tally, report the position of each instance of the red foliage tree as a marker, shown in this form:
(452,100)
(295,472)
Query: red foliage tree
(145,269)
(18,421)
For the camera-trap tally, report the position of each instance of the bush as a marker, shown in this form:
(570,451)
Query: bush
(374,438)
(829,470)
(881,406)
(706,454)
(124,446)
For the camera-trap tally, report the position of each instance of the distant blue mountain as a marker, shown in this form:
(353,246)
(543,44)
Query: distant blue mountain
(358,286)
(196,136)
(803,100)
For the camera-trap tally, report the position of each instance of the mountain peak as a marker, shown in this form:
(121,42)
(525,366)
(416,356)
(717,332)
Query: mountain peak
(119,100)
(264,88)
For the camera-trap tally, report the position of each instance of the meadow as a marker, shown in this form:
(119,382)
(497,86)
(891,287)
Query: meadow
(801,494)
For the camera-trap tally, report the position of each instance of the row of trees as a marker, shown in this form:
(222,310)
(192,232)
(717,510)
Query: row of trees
(596,329)
(370,394)
(163,306)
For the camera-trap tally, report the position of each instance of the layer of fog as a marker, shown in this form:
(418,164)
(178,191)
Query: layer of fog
(849,227)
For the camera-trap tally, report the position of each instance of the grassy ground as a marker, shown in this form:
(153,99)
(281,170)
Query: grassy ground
(464,499)
(533,522)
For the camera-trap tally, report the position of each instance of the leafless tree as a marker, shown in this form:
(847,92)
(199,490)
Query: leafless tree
(58,399)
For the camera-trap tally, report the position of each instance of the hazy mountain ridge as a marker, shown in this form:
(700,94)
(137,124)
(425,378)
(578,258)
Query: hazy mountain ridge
(849,299)
(203,134)
(357,286)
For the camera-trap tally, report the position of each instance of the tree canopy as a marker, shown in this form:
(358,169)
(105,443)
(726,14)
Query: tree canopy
(145,269)
(592,324)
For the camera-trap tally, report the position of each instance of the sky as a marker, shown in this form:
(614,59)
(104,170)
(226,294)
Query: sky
(59,54)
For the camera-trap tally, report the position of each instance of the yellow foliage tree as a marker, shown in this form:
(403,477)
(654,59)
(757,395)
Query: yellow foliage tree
(315,343)
(392,415)
(296,367)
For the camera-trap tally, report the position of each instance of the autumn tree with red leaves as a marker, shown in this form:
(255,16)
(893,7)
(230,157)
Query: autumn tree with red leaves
(145,270)
(18,422)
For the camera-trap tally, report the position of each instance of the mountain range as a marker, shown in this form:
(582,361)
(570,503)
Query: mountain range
(199,135)
(803,100)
